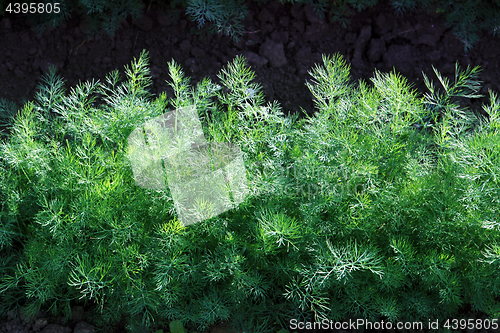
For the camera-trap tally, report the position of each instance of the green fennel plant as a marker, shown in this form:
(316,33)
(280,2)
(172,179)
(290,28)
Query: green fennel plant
(366,208)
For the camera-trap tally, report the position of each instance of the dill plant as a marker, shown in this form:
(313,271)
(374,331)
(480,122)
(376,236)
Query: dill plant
(363,209)
(466,17)
(225,16)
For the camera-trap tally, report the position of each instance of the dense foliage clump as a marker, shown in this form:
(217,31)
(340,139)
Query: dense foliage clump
(382,205)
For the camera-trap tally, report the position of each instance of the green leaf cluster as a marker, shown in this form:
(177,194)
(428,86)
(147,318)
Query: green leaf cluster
(382,205)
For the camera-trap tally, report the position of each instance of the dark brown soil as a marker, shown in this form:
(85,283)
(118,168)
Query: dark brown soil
(281,43)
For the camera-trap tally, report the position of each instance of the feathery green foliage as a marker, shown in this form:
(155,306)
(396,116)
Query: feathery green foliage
(466,17)
(225,16)
(364,209)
